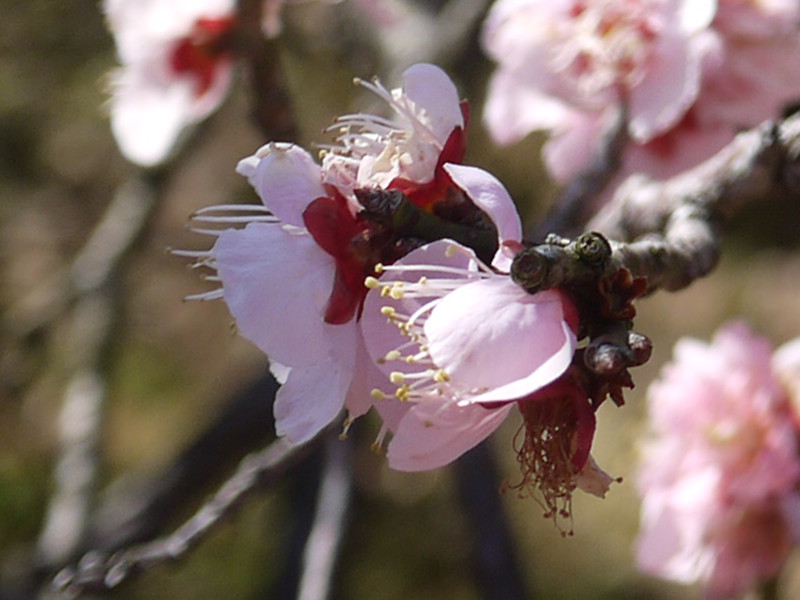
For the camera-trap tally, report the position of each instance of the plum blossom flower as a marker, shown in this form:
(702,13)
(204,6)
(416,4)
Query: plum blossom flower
(461,344)
(682,68)
(719,480)
(176,69)
(293,275)
(563,65)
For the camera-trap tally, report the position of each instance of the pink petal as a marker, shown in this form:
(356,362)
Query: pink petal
(382,336)
(786,362)
(310,399)
(286,178)
(491,334)
(486,191)
(434,433)
(432,90)
(670,87)
(366,378)
(593,480)
(276,285)
(574,143)
(513,109)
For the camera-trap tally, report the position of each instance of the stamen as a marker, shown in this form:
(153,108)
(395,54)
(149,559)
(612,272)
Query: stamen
(232,208)
(235,219)
(205,296)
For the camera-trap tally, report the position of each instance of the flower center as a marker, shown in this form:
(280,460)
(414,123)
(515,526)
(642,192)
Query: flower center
(374,151)
(417,375)
(608,45)
(201,51)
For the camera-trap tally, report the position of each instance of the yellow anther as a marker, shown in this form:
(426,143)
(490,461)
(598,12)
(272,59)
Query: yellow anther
(385,291)
(410,360)
(401,393)
(377,394)
(379,268)
(388,311)
(392,355)
(441,377)
(396,377)
(396,293)
(371,282)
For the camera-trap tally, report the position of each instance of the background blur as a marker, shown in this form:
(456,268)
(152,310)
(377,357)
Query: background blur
(171,366)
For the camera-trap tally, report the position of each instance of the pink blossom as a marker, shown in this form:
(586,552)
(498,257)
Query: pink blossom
(460,345)
(176,69)
(563,65)
(293,275)
(720,475)
(691,73)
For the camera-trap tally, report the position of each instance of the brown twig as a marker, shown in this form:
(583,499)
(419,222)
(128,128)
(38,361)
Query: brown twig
(668,232)
(98,571)
(271,104)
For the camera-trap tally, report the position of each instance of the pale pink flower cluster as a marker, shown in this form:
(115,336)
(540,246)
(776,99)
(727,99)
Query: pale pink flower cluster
(293,276)
(690,72)
(354,315)
(719,478)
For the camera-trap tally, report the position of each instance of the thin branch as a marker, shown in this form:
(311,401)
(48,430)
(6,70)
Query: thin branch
(112,238)
(754,165)
(272,105)
(91,279)
(330,523)
(668,232)
(98,571)
(132,514)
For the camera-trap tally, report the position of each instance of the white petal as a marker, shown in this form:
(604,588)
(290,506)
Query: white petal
(148,114)
(310,399)
(276,285)
(486,191)
(286,178)
(433,433)
(431,89)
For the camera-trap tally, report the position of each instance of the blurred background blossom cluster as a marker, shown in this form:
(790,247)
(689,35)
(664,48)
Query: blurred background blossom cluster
(108,142)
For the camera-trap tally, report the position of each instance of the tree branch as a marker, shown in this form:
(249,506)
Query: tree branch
(99,571)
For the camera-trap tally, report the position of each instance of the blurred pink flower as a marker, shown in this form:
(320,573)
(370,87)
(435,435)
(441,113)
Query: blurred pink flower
(293,276)
(176,69)
(719,480)
(692,73)
(562,66)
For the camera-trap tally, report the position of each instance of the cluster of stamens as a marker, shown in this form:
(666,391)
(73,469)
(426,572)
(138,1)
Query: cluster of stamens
(438,281)
(361,135)
(213,220)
